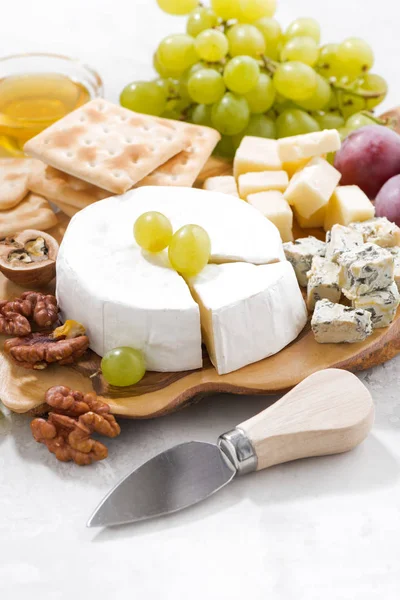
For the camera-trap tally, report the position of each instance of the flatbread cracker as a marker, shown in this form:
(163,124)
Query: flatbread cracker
(61,187)
(67,209)
(107,145)
(34,212)
(14,173)
(184,168)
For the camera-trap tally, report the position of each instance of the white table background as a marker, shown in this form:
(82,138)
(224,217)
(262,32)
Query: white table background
(323,528)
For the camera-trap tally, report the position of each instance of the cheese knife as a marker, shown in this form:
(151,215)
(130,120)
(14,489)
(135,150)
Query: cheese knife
(329,412)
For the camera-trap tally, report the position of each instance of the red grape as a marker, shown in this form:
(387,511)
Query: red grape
(387,203)
(369,157)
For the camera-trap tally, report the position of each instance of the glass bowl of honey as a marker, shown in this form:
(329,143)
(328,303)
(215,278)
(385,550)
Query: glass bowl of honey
(38,89)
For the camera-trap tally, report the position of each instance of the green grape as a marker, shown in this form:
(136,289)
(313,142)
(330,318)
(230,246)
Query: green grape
(350,104)
(251,10)
(328,64)
(272,33)
(359,120)
(123,366)
(304,49)
(241,74)
(343,132)
(374,83)
(295,122)
(146,97)
(201,115)
(330,120)
(206,86)
(245,40)
(320,98)
(262,97)
(177,52)
(177,7)
(189,250)
(259,126)
(355,57)
(295,80)
(164,71)
(183,91)
(200,19)
(176,110)
(226,147)
(152,231)
(211,45)
(226,9)
(304,26)
(231,114)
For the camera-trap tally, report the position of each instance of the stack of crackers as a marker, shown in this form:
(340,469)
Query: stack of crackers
(99,150)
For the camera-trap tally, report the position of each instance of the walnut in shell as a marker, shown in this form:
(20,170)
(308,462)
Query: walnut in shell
(29,258)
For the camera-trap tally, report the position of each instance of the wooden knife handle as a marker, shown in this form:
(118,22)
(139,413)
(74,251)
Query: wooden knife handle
(329,412)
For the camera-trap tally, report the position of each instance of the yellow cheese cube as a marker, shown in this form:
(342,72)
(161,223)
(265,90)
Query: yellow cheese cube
(308,145)
(347,205)
(292,167)
(256,154)
(225,184)
(316,220)
(273,205)
(252,183)
(310,189)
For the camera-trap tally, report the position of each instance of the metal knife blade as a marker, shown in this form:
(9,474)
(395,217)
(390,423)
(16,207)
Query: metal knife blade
(172,480)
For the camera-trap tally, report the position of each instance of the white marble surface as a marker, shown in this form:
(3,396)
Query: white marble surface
(323,528)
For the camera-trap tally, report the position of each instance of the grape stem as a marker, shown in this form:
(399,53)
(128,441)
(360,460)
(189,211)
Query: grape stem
(375,119)
(269,64)
(359,94)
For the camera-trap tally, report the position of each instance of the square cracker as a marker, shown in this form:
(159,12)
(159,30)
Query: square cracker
(184,168)
(61,187)
(34,212)
(14,174)
(107,145)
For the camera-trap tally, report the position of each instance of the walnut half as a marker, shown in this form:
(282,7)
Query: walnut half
(38,350)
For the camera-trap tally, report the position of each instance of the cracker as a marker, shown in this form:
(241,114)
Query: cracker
(58,186)
(67,209)
(14,173)
(184,168)
(34,212)
(107,145)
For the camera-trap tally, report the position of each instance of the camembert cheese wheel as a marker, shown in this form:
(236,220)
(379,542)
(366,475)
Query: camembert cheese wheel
(127,297)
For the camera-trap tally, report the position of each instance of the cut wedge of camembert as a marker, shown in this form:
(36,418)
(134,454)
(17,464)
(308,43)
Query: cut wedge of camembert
(126,297)
(248,312)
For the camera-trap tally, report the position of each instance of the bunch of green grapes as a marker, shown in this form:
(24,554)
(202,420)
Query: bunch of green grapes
(236,70)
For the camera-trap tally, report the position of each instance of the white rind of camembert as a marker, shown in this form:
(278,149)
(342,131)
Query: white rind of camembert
(247,312)
(127,297)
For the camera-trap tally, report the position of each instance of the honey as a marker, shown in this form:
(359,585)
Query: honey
(30,103)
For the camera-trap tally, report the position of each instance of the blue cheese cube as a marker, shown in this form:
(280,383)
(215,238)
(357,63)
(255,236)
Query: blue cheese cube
(395,252)
(334,323)
(382,305)
(365,269)
(379,231)
(341,239)
(323,282)
(300,254)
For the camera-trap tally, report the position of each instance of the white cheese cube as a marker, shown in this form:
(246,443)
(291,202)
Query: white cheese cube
(273,205)
(300,254)
(382,305)
(348,204)
(341,239)
(395,252)
(252,183)
(308,145)
(379,231)
(225,184)
(365,269)
(316,220)
(247,312)
(323,282)
(256,154)
(334,323)
(310,189)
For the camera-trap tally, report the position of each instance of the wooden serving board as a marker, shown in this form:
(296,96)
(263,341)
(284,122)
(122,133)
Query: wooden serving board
(158,394)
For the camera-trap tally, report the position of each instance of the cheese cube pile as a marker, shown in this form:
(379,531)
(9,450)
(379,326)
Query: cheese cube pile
(297,167)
